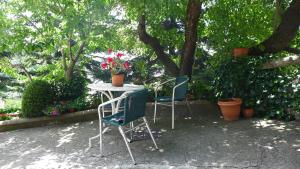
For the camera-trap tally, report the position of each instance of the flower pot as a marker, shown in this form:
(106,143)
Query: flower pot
(240,52)
(230,108)
(248,112)
(117,80)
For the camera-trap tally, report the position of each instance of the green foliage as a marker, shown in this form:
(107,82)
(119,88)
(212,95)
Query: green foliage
(274,93)
(37,95)
(69,90)
(81,103)
(3,118)
(9,110)
(199,89)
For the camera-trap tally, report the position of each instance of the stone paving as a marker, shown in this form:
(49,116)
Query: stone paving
(201,140)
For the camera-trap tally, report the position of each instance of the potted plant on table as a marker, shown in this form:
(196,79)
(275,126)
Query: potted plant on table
(117,67)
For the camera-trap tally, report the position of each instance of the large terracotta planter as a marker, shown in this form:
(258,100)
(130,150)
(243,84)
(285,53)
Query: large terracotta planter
(230,108)
(117,80)
(248,112)
(237,52)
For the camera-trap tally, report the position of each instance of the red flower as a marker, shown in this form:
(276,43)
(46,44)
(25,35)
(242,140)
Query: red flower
(109,51)
(126,65)
(113,63)
(103,65)
(119,55)
(109,59)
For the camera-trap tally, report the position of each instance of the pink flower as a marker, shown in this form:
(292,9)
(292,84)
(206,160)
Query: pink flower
(119,55)
(113,63)
(126,65)
(103,65)
(54,113)
(109,59)
(109,51)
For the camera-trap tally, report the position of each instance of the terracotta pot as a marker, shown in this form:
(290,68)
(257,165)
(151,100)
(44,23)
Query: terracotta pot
(240,52)
(117,80)
(230,108)
(10,115)
(248,112)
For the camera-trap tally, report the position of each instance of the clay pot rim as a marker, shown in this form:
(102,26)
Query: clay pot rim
(230,102)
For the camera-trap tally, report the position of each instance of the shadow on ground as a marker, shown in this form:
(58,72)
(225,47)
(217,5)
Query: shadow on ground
(201,140)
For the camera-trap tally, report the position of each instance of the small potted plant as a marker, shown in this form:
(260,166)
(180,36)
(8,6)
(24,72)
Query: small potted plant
(117,67)
(248,110)
(229,87)
(54,110)
(230,108)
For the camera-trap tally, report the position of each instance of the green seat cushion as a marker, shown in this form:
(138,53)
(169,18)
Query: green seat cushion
(115,119)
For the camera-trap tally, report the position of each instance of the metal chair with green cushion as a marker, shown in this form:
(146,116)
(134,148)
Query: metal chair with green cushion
(134,104)
(178,94)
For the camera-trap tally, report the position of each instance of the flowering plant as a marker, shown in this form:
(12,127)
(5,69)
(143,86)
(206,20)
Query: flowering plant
(115,64)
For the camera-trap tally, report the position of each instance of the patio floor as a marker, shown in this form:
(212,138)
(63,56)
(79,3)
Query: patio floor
(200,140)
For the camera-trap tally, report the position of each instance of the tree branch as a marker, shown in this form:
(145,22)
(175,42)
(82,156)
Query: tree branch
(283,35)
(290,60)
(292,50)
(157,47)
(69,72)
(22,67)
(79,51)
(64,59)
(70,49)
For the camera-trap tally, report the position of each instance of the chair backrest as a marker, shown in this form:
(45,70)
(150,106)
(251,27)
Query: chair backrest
(135,105)
(180,91)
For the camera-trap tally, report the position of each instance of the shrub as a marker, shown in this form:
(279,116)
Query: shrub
(37,95)
(69,90)
(274,93)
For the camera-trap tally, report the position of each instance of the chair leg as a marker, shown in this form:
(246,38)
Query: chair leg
(155,109)
(173,115)
(125,140)
(100,141)
(149,130)
(131,128)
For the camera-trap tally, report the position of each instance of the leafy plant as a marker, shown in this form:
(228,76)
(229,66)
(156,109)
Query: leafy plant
(69,89)
(9,110)
(37,95)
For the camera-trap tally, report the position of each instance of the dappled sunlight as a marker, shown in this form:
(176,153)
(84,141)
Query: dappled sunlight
(9,141)
(75,126)
(204,144)
(65,139)
(30,151)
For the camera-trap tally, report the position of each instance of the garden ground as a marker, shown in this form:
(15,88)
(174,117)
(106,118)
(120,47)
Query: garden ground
(201,140)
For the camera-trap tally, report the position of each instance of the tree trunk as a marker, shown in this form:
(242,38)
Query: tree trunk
(187,60)
(70,69)
(170,66)
(283,35)
(192,18)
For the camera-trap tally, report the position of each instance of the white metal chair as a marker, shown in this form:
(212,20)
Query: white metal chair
(178,94)
(134,108)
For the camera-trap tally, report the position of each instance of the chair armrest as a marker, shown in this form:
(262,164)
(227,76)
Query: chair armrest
(159,85)
(118,100)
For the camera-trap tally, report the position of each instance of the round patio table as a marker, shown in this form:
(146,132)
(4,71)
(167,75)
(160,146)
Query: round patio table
(107,89)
